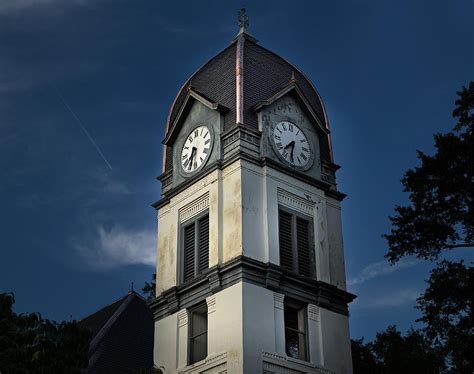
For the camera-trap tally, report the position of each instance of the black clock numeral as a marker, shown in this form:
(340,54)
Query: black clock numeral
(202,130)
(290,126)
(303,156)
(285,153)
(303,141)
(201,159)
(186,163)
(195,165)
(278,129)
(205,150)
(298,158)
(190,138)
(284,126)
(279,145)
(277,137)
(206,134)
(207,141)
(305,149)
(297,133)
(196,133)
(184,157)
(186,147)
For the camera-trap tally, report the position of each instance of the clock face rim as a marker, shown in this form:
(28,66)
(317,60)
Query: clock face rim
(211,133)
(278,154)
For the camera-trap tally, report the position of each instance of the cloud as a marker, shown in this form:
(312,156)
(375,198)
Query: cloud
(11,6)
(377,269)
(119,247)
(388,299)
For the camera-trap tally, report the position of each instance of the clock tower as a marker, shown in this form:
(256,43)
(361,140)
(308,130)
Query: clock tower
(250,259)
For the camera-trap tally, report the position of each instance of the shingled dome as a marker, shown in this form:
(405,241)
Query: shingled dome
(242,76)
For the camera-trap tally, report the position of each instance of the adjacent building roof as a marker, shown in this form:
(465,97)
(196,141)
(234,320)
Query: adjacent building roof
(122,339)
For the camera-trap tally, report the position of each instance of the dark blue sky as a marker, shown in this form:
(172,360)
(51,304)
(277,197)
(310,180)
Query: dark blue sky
(75,232)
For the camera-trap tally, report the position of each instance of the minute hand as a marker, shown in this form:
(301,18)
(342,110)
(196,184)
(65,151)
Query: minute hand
(193,151)
(292,145)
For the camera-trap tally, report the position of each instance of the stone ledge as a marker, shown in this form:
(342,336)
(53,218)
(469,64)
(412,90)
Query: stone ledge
(245,269)
(279,364)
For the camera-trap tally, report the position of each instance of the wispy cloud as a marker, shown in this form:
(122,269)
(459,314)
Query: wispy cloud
(10,6)
(118,247)
(387,300)
(377,269)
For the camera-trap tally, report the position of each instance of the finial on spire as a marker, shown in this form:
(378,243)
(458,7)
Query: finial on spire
(243,19)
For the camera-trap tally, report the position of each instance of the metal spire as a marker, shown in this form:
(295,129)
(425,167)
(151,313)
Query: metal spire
(243,19)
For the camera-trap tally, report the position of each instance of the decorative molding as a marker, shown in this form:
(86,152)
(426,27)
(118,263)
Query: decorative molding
(278,299)
(295,202)
(279,364)
(240,133)
(245,269)
(313,312)
(176,194)
(211,304)
(211,364)
(166,179)
(182,318)
(271,368)
(193,208)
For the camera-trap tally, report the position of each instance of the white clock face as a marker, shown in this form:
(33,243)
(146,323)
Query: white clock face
(292,144)
(196,149)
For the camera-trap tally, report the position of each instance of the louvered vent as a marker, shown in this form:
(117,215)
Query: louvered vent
(303,244)
(189,241)
(284,228)
(203,244)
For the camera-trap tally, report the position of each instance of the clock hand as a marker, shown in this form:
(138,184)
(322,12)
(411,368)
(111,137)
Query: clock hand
(193,151)
(292,145)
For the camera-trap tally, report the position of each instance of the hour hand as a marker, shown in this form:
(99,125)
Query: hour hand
(190,164)
(292,145)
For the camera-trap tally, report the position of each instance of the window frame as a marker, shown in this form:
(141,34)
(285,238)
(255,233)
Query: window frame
(302,308)
(294,239)
(191,311)
(183,225)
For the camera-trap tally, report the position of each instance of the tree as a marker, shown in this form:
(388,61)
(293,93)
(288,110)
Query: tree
(447,307)
(149,289)
(440,217)
(441,213)
(31,344)
(363,359)
(391,352)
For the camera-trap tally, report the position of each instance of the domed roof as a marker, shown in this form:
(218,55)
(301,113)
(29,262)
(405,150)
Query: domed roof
(242,76)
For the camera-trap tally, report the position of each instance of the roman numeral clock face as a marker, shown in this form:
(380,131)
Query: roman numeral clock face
(196,149)
(291,145)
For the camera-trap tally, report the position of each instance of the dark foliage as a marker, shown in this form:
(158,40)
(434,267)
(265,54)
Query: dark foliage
(441,216)
(149,289)
(391,352)
(441,210)
(31,344)
(447,307)
(363,359)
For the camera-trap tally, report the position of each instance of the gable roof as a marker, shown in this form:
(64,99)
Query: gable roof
(122,336)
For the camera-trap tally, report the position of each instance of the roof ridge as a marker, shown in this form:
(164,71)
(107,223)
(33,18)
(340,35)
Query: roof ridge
(108,325)
(105,306)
